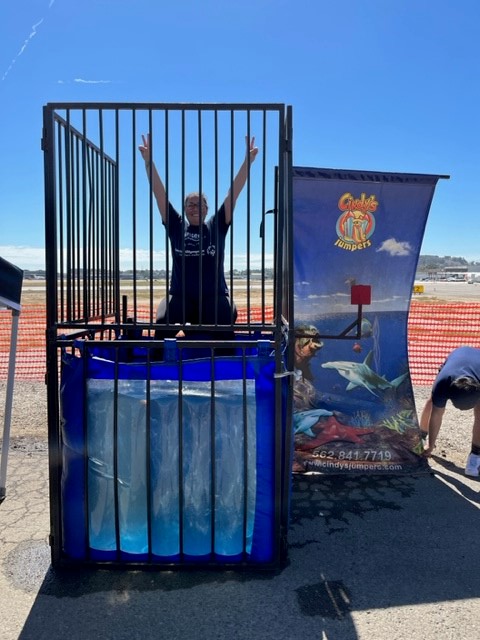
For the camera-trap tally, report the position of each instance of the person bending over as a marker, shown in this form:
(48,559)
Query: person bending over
(458,380)
(198,291)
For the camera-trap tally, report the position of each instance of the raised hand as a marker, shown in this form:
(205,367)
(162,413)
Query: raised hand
(252,150)
(145,148)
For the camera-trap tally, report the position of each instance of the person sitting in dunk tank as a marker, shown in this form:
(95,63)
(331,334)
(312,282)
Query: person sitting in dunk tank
(199,295)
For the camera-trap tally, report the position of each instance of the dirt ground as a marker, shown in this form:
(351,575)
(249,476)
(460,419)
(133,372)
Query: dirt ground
(29,427)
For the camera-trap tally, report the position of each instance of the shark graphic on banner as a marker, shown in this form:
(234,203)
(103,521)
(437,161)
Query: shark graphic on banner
(359,374)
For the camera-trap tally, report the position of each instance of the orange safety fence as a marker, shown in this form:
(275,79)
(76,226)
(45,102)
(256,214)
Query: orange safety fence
(30,361)
(434,329)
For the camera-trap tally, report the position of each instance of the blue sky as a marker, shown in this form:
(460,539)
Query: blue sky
(374,84)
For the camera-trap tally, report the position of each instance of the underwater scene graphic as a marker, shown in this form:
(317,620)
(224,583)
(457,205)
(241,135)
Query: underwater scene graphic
(357,238)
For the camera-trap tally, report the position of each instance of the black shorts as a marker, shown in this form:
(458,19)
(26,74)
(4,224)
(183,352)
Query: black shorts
(216,311)
(219,310)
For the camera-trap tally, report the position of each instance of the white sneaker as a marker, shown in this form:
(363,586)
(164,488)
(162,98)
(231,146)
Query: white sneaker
(472,467)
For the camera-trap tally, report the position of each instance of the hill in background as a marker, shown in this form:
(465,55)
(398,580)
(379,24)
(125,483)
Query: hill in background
(428,263)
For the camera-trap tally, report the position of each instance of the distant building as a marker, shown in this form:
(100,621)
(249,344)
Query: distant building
(450,270)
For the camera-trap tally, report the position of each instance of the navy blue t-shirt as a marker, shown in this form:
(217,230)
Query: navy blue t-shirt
(204,249)
(464,361)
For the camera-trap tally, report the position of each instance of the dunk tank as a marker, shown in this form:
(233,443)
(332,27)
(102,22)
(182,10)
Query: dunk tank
(166,449)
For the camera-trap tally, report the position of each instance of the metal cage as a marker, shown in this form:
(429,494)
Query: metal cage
(109,262)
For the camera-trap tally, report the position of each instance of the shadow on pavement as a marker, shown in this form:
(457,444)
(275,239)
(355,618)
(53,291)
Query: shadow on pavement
(454,476)
(358,546)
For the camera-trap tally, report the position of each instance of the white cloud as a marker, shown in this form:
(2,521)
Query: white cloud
(395,248)
(83,81)
(142,259)
(240,261)
(32,258)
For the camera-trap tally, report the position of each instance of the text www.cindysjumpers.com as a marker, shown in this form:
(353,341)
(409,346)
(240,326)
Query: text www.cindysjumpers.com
(355,466)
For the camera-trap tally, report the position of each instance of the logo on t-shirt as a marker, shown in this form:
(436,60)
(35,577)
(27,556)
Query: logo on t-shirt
(192,246)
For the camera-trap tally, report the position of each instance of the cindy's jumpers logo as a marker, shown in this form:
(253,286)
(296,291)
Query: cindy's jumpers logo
(356,224)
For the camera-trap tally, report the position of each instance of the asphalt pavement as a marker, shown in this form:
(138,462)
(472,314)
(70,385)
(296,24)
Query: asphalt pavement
(370,557)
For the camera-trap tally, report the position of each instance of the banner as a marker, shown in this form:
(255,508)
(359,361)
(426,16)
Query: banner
(357,238)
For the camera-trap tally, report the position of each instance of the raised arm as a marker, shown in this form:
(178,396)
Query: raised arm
(239,180)
(158,187)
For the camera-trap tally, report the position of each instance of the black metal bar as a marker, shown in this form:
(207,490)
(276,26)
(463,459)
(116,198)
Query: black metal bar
(150,193)
(115,212)
(200,230)
(48,145)
(167,192)
(181,476)
(100,308)
(263,209)
(86,505)
(152,315)
(233,226)
(69,180)
(116,501)
(151,233)
(85,244)
(77,229)
(216,206)
(279,364)
(213,457)
(107,189)
(249,230)
(134,217)
(104,190)
(90,231)
(59,276)
(288,312)
(103,231)
(246,445)
(148,451)
(172,106)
